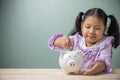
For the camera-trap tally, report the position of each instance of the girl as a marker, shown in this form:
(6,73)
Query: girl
(93,37)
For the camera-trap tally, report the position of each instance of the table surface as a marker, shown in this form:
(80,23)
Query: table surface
(51,74)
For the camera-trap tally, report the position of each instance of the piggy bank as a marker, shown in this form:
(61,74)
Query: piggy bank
(71,61)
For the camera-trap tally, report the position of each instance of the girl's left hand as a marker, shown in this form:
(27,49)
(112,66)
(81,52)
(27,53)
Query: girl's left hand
(95,68)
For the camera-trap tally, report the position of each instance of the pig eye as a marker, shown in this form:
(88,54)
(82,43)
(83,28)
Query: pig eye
(69,56)
(75,56)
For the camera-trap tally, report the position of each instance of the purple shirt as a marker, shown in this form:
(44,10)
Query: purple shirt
(101,51)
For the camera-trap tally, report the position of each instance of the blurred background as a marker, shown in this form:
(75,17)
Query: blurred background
(26,26)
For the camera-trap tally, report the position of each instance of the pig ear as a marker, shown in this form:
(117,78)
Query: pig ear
(79,52)
(62,53)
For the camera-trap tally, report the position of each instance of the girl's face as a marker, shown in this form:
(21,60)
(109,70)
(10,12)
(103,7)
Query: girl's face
(92,30)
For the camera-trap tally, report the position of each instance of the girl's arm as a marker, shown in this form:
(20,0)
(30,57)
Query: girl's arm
(52,40)
(105,55)
(95,68)
(60,42)
(102,62)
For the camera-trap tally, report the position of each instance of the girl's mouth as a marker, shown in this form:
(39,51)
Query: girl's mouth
(91,37)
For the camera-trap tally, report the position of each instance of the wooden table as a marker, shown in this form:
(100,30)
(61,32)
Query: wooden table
(52,74)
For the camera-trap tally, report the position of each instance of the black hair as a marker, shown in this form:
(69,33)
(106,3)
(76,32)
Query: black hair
(113,28)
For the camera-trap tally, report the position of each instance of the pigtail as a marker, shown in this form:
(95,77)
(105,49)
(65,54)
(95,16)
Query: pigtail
(77,27)
(113,30)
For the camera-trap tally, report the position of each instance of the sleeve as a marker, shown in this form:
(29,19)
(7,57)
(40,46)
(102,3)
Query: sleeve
(51,42)
(105,54)
(75,39)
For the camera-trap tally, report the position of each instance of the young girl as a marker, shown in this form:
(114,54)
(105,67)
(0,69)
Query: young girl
(93,37)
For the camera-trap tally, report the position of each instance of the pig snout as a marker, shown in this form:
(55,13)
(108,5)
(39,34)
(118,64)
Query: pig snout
(72,63)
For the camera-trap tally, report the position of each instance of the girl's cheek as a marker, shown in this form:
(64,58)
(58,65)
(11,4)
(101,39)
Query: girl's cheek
(85,32)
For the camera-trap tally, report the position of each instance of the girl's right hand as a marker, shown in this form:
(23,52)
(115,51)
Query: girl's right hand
(64,42)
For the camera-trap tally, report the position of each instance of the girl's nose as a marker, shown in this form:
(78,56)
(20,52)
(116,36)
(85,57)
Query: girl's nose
(92,31)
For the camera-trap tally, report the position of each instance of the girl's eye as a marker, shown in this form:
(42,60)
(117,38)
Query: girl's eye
(98,28)
(88,27)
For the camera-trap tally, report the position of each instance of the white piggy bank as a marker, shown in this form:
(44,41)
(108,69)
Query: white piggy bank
(71,61)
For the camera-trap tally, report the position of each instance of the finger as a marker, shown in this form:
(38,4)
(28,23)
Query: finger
(91,65)
(91,70)
(88,72)
(98,67)
(81,72)
(94,67)
(72,44)
(67,42)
